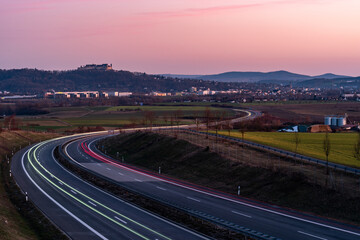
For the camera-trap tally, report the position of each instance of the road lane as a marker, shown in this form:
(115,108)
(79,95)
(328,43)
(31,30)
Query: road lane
(271,220)
(80,209)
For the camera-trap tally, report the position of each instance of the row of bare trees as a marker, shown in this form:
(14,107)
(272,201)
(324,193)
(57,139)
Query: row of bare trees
(327,147)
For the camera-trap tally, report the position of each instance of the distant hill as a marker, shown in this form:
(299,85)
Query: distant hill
(273,77)
(330,76)
(36,81)
(347,82)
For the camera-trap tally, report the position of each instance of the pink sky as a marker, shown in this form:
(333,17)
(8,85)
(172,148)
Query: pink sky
(183,36)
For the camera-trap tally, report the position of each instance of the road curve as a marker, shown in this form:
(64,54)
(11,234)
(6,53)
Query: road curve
(81,210)
(269,220)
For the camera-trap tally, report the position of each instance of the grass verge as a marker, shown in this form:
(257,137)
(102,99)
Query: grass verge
(192,163)
(311,144)
(20,219)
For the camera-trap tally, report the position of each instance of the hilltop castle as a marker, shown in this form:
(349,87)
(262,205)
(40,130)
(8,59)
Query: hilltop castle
(101,67)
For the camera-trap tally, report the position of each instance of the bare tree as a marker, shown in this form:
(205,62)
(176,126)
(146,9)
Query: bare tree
(178,114)
(242,131)
(297,141)
(228,122)
(327,148)
(218,123)
(207,116)
(357,148)
(166,119)
(150,117)
(172,122)
(196,116)
(133,122)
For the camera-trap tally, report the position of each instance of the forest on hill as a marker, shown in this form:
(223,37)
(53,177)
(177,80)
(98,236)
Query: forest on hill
(35,81)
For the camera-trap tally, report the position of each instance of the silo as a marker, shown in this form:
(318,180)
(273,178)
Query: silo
(333,121)
(341,121)
(327,120)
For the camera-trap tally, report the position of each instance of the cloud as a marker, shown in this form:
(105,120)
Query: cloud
(189,12)
(198,11)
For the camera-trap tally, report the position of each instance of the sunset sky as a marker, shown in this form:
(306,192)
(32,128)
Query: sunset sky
(183,36)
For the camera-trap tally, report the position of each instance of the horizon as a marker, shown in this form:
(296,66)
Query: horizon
(183,37)
(231,71)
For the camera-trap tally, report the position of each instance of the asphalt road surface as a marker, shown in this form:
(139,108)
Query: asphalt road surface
(81,210)
(270,220)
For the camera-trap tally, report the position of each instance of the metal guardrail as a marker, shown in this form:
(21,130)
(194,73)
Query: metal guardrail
(215,220)
(335,166)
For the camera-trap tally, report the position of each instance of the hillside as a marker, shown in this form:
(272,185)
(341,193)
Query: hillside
(353,82)
(36,81)
(276,76)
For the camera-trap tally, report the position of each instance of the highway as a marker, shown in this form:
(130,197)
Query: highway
(259,218)
(81,210)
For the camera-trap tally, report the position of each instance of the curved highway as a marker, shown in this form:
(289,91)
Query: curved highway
(81,210)
(269,222)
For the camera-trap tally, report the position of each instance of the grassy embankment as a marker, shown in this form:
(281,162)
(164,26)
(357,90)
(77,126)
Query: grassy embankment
(12,224)
(182,160)
(342,144)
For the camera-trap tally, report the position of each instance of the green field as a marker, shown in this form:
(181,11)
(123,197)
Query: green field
(186,110)
(121,115)
(342,144)
(65,118)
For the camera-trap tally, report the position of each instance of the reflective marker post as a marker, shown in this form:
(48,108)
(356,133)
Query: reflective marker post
(159,170)
(238,192)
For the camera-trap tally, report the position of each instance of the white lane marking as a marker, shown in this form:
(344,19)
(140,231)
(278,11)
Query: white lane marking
(61,183)
(92,203)
(120,220)
(164,189)
(308,234)
(225,198)
(117,199)
(194,199)
(98,164)
(138,180)
(121,174)
(73,191)
(238,213)
(108,168)
(58,204)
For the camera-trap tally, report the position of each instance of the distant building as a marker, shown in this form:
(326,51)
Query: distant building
(193,89)
(119,94)
(94,67)
(85,94)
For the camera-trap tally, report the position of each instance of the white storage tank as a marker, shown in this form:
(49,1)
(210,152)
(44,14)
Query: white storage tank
(341,121)
(327,120)
(333,121)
